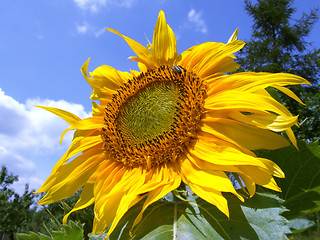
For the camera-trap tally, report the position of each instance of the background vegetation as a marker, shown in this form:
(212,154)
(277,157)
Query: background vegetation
(278,44)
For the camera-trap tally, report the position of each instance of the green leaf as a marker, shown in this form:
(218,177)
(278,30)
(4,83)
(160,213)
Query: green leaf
(257,218)
(44,237)
(264,214)
(299,225)
(301,187)
(31,236)
(72,230)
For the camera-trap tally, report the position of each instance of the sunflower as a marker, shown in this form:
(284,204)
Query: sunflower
(181,118)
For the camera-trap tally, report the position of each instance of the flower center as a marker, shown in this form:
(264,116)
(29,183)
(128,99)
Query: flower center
(149,113)
(153,117)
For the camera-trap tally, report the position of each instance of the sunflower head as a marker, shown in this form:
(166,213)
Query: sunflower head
(154,117)
(180,118)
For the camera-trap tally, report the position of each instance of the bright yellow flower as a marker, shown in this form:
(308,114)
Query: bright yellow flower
(180,119)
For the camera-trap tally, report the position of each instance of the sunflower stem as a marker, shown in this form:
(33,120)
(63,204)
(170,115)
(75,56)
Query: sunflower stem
(180,193)
(176,199)
(175,209)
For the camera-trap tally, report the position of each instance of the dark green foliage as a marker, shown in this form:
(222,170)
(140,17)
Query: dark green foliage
(50,216)
(312,233)
(70,231)
(15,211)
(301,187)
(278,44)
(299,225)
(261,217)
(257,218)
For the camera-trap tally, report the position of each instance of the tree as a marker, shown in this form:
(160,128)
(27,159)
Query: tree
(15,211)
(50,216)
(278,45)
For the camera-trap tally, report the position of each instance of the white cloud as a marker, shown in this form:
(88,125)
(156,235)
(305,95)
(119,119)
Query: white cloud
(30,136)
(82,29)
(14,161)
(95,5)
(92,5)
(33,182)
(86,28)
(98,33)
(195,18)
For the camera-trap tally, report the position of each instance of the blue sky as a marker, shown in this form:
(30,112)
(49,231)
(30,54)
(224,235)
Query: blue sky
(43,44)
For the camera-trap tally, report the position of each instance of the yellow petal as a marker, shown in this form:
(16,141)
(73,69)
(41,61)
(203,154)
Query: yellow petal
(252,82)
(115,199)
(105,77)
(269,121)
(220,61)
(234,36)
(260,177)
(271,168)
(224,65)
(210,179)
(164,44)
(70,177)
(127,201)
(102,222)
(122,181)
(160,190)
(142,67)
(210,165)
(289,93)
(77,138)
(67,116)
(211,58)
(64,132)
(108,166)
(105,80)
(98,110)
(191,58)
(207,134)
(184,57)
(153,179)
(292,137)
(86,199)
(250,137)
(63,172)
(143,53)
(84,69)
(219,153)
(96,122)
(250,184)
(75,121)
(211,196)
(84,144)
(234,100)
(107,180)
(102,94)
